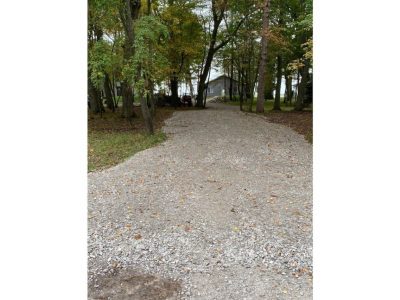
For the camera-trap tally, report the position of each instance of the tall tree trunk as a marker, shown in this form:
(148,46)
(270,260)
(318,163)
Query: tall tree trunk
(114,97)
(277,103)
(95,100)
(302,88)
(203,77)
(269,85)
(217,19)
(107,90)
(263,60)
(150,99)
(148,120)
(189,82)
(96,105)
(241,94)
(174,90)
(127,100)
(231,80)
(128,13)
(297,86)
(288,89)
(249,98)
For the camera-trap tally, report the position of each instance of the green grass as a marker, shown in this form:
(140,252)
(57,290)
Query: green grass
(106,149)
(268,105)
(309,137)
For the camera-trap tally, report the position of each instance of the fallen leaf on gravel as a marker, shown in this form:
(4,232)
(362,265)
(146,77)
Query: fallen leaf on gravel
(128,225)
(137,236)
(236,229)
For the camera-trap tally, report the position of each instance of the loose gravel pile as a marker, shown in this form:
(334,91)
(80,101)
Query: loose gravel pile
(221,210)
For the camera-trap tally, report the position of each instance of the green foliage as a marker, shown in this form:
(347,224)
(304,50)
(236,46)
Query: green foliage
(186,37)
(100,61)
(148,61)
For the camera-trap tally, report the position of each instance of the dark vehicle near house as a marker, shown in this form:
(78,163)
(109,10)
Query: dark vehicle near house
(187,100)
(167,100)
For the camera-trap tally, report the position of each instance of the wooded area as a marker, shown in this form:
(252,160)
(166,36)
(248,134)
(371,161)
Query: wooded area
(140,51)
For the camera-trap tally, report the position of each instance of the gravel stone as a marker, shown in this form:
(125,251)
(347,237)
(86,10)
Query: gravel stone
(221,210)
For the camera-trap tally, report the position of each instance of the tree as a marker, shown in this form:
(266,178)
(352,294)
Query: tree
(218,12)
(263,59)
(184,46)
(129,12)
(147,65)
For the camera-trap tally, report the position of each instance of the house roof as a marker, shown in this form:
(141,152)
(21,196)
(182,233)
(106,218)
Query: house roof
(220,77)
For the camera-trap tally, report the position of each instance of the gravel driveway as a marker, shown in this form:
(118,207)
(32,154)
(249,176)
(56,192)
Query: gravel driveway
(221,210)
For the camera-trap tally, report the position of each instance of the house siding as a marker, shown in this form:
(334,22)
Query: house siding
(219,85)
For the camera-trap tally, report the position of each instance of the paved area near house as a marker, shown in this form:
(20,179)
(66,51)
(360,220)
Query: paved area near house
(221,210)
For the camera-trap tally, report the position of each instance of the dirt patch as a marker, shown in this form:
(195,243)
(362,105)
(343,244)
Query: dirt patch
(300,121)
(110,121)
(127,286)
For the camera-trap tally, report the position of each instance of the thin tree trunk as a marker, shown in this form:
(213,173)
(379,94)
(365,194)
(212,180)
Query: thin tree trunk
(297,86)
(231,80)
(241,94)
(263,60)
(107,90)
(277,103)
(189,81)
(150,99)
(112,87)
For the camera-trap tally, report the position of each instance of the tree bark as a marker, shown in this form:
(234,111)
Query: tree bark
(128,13)
(127,100)
(288,89)
(148,120)
(150,99)
(203,77)
(107,90)
(212,49)
(96,105)
(231,80)
(174,90)
(189,81)
(302,88)
(263,60)
(277,102)
(240,88)
(269,85)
